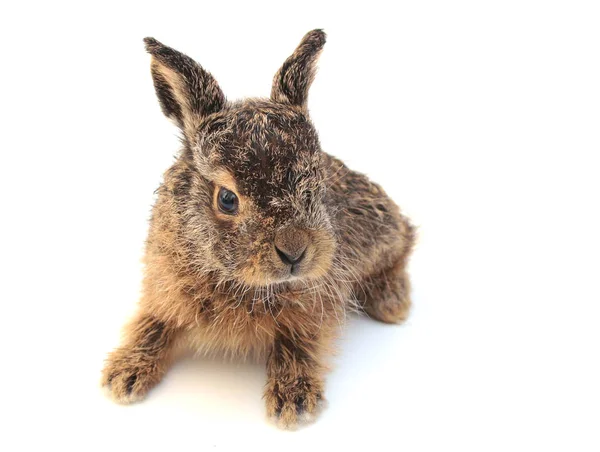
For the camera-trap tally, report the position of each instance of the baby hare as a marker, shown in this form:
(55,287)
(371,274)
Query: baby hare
(259,241)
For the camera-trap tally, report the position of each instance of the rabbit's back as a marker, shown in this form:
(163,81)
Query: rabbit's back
(371,232)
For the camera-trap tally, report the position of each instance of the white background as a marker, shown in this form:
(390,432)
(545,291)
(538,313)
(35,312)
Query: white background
(481,119)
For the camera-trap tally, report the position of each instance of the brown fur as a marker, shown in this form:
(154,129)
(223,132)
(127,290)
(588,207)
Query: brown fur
(215,282)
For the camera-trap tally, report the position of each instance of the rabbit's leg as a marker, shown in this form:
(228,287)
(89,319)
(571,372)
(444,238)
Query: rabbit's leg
(294,390)
(385,295)
(140,362)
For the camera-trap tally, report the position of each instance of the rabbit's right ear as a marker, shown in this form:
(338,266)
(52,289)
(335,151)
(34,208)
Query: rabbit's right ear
(292,81)
(186,92)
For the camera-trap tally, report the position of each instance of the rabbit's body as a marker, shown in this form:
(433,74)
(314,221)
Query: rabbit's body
(259,243)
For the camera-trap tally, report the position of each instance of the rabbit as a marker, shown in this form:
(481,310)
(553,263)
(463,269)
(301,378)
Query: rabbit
(259,242)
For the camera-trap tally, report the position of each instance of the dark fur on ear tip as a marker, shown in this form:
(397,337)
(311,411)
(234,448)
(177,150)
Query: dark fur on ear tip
(152,44)
(168,55)
(315,39)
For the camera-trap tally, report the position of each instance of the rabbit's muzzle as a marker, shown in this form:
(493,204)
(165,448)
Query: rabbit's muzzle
(291,245)
(291,253)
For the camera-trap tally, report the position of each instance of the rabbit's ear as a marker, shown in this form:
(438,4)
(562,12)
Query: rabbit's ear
(292,81)
(186,92)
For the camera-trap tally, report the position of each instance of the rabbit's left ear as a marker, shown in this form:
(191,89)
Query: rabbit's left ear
(292,81)
(186,92)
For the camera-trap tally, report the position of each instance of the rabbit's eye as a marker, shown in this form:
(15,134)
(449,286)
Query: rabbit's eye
(227,201)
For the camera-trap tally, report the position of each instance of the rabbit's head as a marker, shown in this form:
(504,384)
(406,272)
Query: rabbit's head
(247,192)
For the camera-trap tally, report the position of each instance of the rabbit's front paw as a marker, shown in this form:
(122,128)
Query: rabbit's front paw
(127,381)
(292,403)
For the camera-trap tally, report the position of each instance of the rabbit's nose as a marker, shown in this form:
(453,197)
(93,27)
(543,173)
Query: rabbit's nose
(290,245)
(289,258)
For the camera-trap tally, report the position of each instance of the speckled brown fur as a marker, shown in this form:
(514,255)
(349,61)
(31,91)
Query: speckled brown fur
(216,282)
